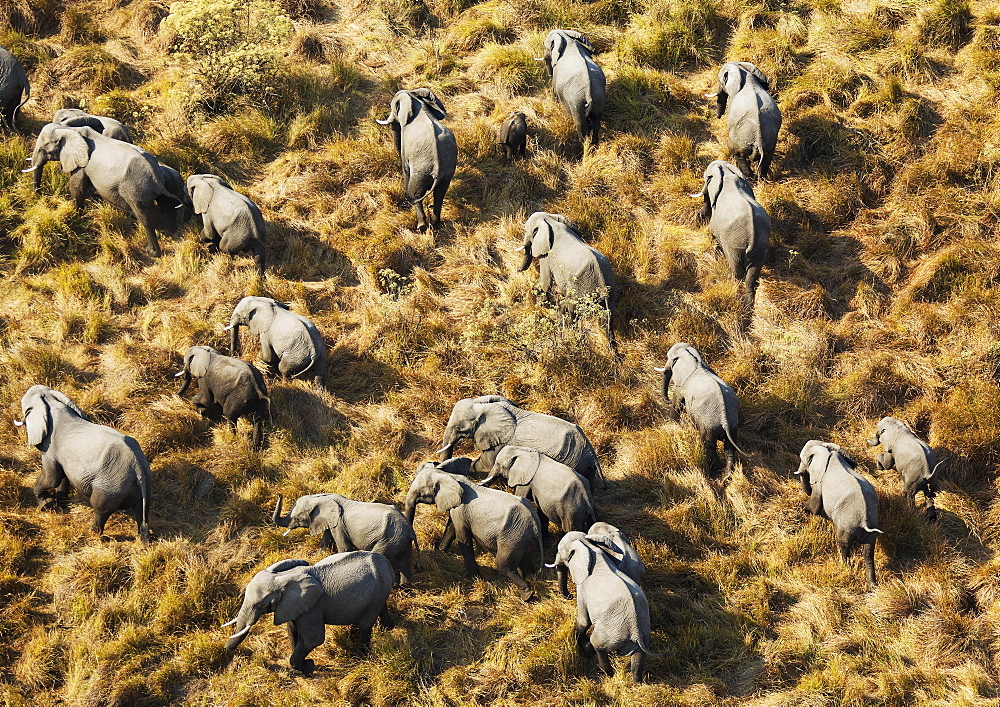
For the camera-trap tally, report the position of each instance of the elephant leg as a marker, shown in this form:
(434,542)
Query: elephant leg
(79,188)
(101,514)
(744,165)
(753,274)
(638,665)
(444,545)
(309,632)
(712,462)
(869,555)
(507,562)
(845,545)
(418,208)
(765,164)
(440,189)
(885,460)
(469,557)
(209,236)
(403,560)
(930,510)
(258,432)
(144,214)
(730,451)
(815,503)
(49,481)
(605,663)
(543,520)
(327,541)
(563,576)
(595,132)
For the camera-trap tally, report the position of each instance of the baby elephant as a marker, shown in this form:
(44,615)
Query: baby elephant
(354,525)
(607,601)
(76,118)
(227,387)
(839,493)
(912,458)
(104,466)
(231,223)
(347,589)
(514,135)
(630,563)
(498,521)
(559,492)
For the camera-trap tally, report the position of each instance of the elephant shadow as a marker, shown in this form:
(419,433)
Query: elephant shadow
(296,253)
(303,412)
(360,377)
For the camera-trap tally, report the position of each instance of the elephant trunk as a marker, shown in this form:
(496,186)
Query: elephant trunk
(38,161)
(804,478)
(186,382)
(277,518)
(410,506)
(451,437)
(234,334)
(244,622)
(526,263)
(873,441)
(667,373)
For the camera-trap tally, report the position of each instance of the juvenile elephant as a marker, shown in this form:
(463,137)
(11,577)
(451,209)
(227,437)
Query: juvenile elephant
(231,222)
(630,563)
(582,273)
(493,422)
(227,387)
(608,602)
(911,457)
(13,84)
(288,341)
(710,402)
(559,492)
(839,493)
(349,525)
(76,118)
(498,521)
(577,81)
(427,150)
(738,223)
(346,589)
(122,174)
(104,466)
(754,118)
(514,135)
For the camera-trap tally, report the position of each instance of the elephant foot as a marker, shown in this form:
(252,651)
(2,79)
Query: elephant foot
(528,595)
(307,667)
(422,228)
(153,252)
(48,504)
(931,514)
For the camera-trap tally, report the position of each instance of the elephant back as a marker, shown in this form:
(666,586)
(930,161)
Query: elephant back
(354,582)
(556,438)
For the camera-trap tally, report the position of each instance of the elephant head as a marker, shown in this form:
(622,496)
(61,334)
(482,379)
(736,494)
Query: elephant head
(76,118)
(255,313)
(576,554)
(37,405)
(202,187)
(556,43)
(197,360)
(431,485)
(887,432)
(732,77)
(714,179)
(517,465)
(539,235)
(286,588)
(489,424)
(318,512)
(814,460)
(405,106)
(58,142)
(682,360)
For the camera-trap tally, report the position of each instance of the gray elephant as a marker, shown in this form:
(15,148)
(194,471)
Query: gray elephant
(738,223)
(559,493)
(228,388)
(13,84)
(911,457)
(122,174)
(839,493)
(76,118)
(427,150)
(104,466)
(499,522)
(231,222)
(348,525)
(289,342)
(709,401)
(346,589)
(754,118)
(582,273)
(577,81)
(608,604)
(630,563)
(493,422)
(514,135)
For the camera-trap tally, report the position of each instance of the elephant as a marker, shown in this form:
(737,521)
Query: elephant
(13,84)
(231,222)
(577,81)
(498,521)
(514,135)
(582,273)
(427,150)
(710,402)
(559,492)
(607,601)
(122,174)
(105,466)
(227,387)
(346,589)
(288,341)
(493,422)
(354,525)
(911,457)
(754,118)
(631,564)
(738,223)
(76,118)
(839,493)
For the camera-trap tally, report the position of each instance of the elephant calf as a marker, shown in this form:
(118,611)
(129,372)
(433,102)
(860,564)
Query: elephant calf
(231,223)
(608,604)
(105,466)
(346,589)
(911,457)
(710,402)
(559,492)
(514,135)
(498,521)
(754,118)
(630,563)
(354,525)
(76,118)
(837,492)
(227,387)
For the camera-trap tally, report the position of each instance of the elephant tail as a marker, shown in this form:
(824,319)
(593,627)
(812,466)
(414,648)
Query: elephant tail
(644,647)
(27,95)
(934,471)
(729,436)
(142,476)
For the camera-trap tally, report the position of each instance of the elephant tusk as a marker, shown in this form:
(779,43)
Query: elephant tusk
(286,532)
(180,205)
(230,623)
(443,449)
(551,567)
(696,195)
(384,122)
(18,423)
(227,328)
(519,249)
(239,633)
(178,374)
(30,169)
(659,370)
(711,95)
(27,159)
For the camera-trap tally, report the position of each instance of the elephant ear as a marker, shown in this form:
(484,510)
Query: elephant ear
(448,494)
(495,425)
(75,152)
(201,195)
(298,594)
(759,75)
(198,361)
(714,181)
(405,107)
(38,420)
(558,45)
(325,516)
(581,38)
(544,236)
(431,102)
(62,398)
(523,467)
(283,565)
